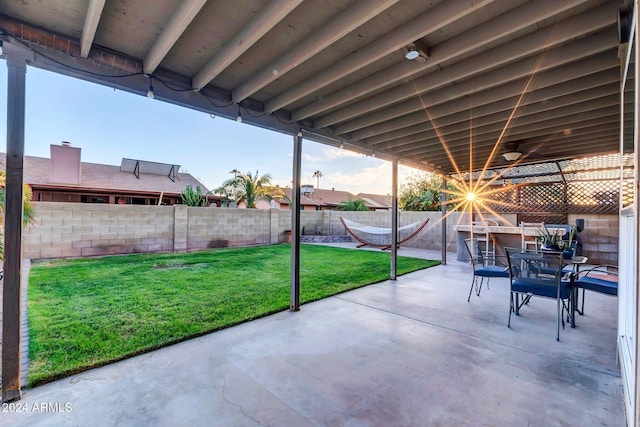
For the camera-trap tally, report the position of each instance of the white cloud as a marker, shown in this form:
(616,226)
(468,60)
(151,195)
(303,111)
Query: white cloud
(335,153)
(371,179)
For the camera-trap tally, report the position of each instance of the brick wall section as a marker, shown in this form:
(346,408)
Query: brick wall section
(181,228)
(599,238)
(82,229)
(274,231)
(239,227)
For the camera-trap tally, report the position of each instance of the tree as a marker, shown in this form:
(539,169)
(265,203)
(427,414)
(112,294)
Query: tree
(317,175)
(28,214)
(352,205)
(421,193)
(247,188)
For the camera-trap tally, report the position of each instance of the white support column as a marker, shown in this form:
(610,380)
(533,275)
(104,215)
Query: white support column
(295,223)
(16,83)
(394,219)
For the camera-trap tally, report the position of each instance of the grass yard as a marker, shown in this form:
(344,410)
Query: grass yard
(88,312)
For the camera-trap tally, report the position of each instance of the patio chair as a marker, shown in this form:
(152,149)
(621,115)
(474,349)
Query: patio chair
(537,274)
(601,278)
(483,267)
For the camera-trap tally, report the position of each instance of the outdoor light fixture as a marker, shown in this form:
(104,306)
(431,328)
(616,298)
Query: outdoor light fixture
(512,156)
(1,50)
(239,116)
(150,91)
(412,54)
(341,145)
(417,50)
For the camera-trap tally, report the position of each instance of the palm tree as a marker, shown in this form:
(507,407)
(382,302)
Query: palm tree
(247,188)
(317,175)
(352,205)
(28,213)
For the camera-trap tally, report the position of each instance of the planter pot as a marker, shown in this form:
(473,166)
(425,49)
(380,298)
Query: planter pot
(550,248)
(567,253)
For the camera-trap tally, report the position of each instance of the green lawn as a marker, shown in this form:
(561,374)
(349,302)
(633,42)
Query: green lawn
(87,312)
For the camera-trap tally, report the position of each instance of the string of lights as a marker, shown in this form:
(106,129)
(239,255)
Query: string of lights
(150,89)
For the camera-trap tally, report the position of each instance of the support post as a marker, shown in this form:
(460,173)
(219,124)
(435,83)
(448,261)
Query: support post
(17,67)
(443,201)
(295,223)
(394,220)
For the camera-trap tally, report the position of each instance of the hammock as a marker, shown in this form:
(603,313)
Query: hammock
(352,226)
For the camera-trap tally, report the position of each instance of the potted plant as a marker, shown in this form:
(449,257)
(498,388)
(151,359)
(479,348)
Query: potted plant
(567,247)
(550,239)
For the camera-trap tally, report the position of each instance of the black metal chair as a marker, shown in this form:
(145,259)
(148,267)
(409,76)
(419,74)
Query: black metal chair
(483,267)
(601,278)
(537,274)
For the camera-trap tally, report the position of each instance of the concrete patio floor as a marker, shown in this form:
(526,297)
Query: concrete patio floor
(408,353)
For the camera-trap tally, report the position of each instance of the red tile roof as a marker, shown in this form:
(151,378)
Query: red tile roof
(380,199)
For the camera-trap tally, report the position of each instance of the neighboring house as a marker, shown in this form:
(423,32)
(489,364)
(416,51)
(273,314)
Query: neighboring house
(322,200)
(65,178)
(379,199)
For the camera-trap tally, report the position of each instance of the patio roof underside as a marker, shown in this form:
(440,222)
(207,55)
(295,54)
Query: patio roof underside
(538,77)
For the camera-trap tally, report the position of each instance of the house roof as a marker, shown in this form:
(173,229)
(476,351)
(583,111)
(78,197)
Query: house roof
(96,176)
(381,199)
(332,198)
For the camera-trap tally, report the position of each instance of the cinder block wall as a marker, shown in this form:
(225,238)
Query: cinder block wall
(599,237)
(239,227)
(84,229)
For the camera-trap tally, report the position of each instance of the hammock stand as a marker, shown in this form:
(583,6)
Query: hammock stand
(352,225)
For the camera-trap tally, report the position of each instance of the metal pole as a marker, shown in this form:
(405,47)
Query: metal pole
(17,67)
(443,200)
(295,223)
(394,219)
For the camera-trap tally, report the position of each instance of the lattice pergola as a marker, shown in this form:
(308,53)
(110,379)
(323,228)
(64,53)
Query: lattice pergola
(549,191)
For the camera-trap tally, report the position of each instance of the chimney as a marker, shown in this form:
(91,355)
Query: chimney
(65,163)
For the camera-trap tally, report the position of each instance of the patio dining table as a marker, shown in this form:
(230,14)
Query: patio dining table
(569,276)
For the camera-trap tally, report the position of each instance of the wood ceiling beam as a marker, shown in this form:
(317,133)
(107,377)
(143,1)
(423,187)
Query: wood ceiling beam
(585,150)
(338,27)
(474,39)
(582,48)
(544,122)
(484,148)
(461,110)
(178,23)
(610,76)
(91,21)
(488,142)
(274,12)
(432,20)
(533,115)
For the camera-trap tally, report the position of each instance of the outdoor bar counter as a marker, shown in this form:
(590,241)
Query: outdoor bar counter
(503,235)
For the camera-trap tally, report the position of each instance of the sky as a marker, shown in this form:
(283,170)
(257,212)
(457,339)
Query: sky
(109,124)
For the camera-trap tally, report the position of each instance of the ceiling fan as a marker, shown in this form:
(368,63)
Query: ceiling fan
(513,151)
